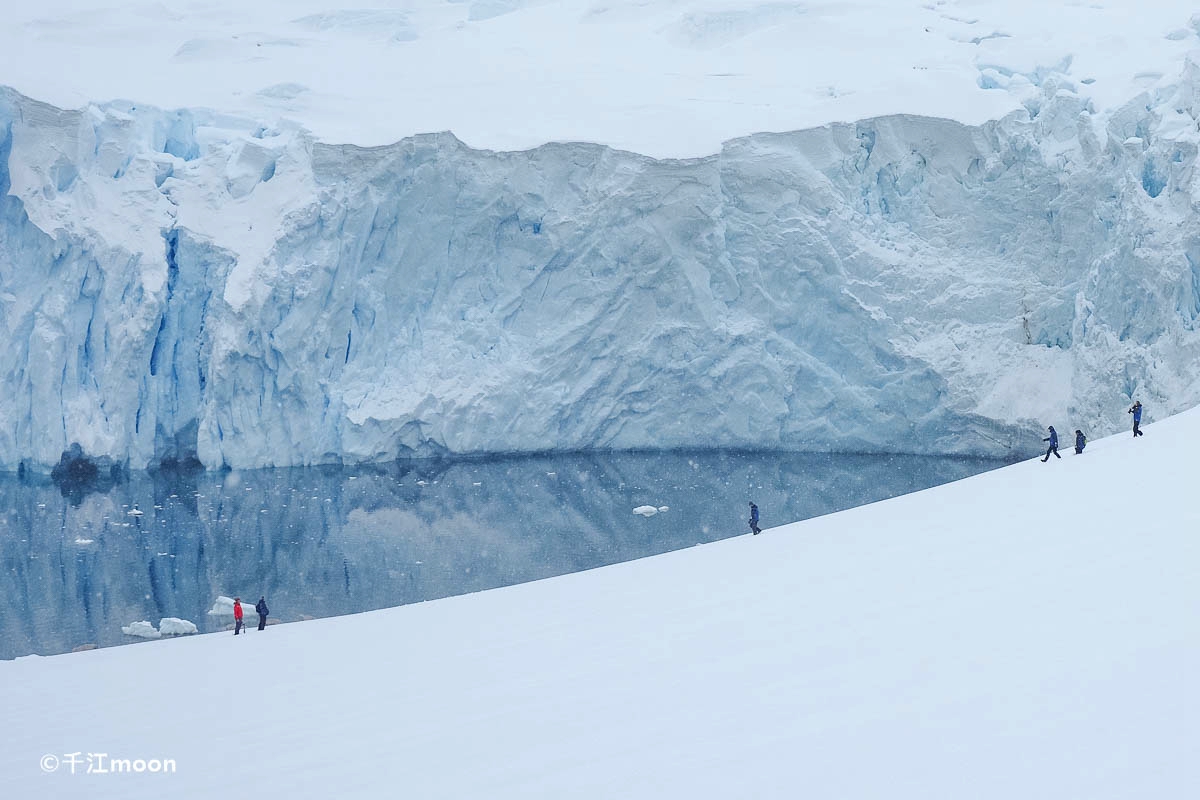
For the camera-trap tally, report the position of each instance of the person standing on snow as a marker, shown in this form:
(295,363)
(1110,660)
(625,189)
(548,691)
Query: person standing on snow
(1053,448)
(237,615)
(1136,410)
(1080,441)
(754,519)
(261,608)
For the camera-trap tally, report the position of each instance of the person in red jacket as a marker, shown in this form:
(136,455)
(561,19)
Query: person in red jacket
(237,615)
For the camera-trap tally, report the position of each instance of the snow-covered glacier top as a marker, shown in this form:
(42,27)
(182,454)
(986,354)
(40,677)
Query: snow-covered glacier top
(666,78)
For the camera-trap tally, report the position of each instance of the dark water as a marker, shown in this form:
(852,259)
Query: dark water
(75,566)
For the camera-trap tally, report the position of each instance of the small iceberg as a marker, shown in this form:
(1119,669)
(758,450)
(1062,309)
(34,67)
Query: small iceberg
(646,511)
(222,607)
(135,512)
(142,629)
(173,626)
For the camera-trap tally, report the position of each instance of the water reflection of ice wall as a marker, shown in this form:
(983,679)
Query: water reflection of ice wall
(75,567)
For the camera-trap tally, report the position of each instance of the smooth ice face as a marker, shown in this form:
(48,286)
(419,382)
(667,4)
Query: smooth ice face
(180,285)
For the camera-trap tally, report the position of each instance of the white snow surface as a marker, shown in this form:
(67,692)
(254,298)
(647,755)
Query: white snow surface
(1032,632)
(665,78)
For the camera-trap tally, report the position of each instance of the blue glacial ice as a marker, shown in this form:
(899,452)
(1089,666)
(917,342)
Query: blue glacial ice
(183,285)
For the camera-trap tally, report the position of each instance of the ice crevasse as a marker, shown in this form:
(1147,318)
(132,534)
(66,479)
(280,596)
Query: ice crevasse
(183,285)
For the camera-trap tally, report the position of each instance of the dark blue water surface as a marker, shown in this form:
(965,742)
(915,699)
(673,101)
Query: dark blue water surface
(75,565)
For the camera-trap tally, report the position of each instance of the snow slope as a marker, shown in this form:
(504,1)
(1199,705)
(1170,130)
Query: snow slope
(1031,632)
(669,78)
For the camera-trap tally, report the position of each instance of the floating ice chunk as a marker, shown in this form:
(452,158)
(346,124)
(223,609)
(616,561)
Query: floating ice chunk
(646,511)
(173,626)
(135,512)
(223,607)
(661,509)
(143,629)
(81,541)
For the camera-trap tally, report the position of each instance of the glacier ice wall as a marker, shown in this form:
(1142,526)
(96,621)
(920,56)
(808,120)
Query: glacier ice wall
(179,285)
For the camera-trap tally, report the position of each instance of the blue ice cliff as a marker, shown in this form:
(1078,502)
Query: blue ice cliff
(181,285)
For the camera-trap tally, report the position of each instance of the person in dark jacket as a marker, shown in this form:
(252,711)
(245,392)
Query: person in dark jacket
(1053,448)
(754,519)
(1136,410)
(1080,441)
(237,615)
(261,608)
